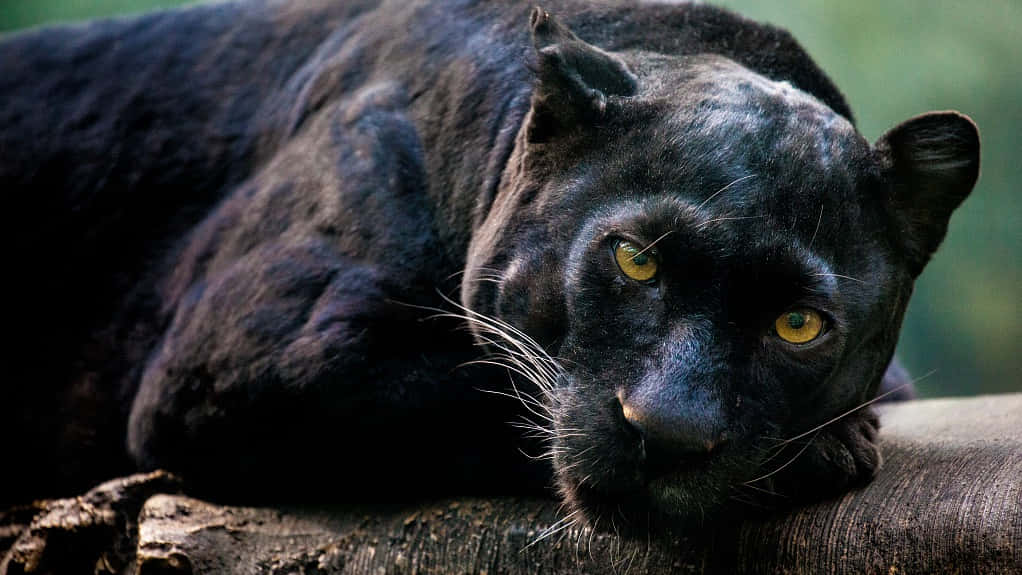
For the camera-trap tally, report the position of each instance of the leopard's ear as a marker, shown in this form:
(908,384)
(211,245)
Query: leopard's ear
(932,163)
(574,79)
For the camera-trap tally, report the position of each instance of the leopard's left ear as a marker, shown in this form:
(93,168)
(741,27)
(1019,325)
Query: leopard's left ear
(932,162)
(574,79)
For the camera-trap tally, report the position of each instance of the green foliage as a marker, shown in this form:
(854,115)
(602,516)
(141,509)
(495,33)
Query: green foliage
(893,61)
(24,13)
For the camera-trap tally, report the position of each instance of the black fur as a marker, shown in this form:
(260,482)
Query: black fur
(228,224)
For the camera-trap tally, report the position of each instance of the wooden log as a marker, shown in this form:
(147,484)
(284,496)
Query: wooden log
(949,500)
(94,533)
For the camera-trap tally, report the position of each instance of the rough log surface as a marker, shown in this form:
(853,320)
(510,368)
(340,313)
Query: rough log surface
(94,533)
(949,500)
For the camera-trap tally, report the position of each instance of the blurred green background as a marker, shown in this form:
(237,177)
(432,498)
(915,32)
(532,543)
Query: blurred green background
(893,60)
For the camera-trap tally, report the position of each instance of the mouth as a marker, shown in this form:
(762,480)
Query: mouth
(668,503)
(636,480)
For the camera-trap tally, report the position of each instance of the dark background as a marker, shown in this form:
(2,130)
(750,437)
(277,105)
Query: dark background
(893,60)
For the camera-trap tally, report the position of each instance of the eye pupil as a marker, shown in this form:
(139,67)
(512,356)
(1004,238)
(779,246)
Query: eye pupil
(796,320)
(799,326)
(638,264)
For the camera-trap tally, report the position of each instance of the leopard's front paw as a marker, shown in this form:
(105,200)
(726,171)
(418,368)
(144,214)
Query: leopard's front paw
(837,457)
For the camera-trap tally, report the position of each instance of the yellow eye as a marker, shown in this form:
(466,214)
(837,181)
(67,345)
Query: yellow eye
(635,262)
(799,325)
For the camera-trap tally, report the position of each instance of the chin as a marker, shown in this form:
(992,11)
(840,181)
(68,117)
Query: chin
(685,499)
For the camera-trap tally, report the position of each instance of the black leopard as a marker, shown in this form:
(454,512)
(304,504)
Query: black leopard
(329,249)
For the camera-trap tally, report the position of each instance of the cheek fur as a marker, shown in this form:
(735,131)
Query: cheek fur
(530,299)
(590,448)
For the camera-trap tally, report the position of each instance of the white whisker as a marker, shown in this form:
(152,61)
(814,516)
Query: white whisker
(786,464)
(840,276)
(562,524)
(819,220)
(715,194)
(653,243)
(854,409)
(704,223)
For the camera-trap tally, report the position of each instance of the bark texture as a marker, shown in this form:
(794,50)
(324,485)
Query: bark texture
(949,500)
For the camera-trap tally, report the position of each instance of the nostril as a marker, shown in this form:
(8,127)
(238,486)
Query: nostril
(715,444)
(634,419)
(631,418)
(626,419)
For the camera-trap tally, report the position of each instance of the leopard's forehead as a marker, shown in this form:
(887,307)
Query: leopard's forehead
(712,106)
(714,147)
(705,124)
(716,82)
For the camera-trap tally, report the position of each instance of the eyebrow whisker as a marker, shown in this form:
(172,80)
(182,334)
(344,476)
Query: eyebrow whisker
(704,223)
(818,222)
(840,276)
(643,250)
(718,192)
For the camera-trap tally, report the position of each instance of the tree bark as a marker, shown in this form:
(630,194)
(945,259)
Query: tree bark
(948,500)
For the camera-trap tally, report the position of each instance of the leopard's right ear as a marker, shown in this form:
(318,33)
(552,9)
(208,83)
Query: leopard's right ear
(574,79)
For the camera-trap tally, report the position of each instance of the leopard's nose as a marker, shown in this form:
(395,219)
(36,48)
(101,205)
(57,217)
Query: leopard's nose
(675,434)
